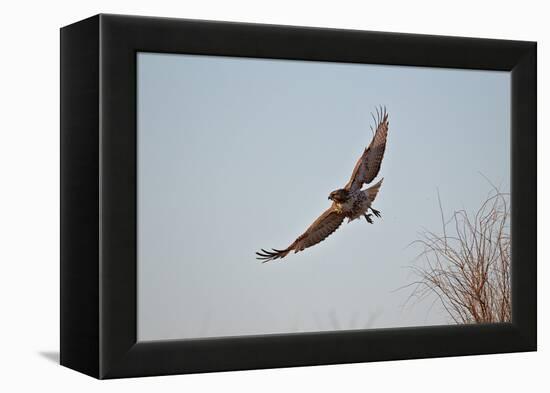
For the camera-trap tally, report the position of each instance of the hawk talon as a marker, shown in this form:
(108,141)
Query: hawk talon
(368,218)
(376,212)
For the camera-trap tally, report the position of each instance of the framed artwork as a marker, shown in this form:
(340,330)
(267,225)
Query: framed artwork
(239,196)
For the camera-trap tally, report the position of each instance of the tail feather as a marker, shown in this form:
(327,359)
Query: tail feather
(373,190)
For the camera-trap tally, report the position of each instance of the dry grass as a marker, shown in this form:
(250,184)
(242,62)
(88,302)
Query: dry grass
(467,265)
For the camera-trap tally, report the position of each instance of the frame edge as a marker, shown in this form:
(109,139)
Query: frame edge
(524,190)
(79,194)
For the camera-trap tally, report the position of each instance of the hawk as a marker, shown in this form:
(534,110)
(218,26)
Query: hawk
(349,202)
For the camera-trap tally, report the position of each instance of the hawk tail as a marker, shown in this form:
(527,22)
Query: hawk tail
(373,191)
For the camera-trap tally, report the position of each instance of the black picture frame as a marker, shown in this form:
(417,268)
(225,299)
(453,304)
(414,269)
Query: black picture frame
(98,195)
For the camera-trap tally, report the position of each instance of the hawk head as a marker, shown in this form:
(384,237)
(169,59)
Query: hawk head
(339,196)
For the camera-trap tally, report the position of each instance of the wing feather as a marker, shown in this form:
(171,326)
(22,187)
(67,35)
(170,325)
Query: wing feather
(367,167)
(322,227)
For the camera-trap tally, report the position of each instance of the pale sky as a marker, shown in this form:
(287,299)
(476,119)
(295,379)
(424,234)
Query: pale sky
(238,154)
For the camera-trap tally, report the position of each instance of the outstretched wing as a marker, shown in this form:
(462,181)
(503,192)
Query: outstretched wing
(321,228)
(368,165)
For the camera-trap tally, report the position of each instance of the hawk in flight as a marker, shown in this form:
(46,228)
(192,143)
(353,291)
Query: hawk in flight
(350,201)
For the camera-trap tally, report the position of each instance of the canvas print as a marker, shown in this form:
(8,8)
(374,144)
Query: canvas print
(283,196)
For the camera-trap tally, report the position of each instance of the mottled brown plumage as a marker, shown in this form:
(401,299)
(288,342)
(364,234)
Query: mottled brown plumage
(350,201)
